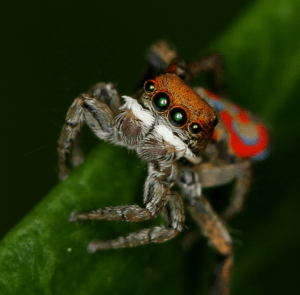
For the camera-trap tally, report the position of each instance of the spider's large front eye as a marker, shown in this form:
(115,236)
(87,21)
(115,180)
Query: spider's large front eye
(149,86)
(195,128)
(161,102)
(177,117)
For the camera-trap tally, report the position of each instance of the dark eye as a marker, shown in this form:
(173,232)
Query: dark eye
(161,102)
(177,117)
(149,86)
(195,128)
(216,121)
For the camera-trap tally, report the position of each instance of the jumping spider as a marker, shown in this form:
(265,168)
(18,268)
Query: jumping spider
(175,129)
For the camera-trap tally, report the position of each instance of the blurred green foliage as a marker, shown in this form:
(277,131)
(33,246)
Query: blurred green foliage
(52,51)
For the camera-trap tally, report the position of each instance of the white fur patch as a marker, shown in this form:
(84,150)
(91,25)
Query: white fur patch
(167,135)
(138,111)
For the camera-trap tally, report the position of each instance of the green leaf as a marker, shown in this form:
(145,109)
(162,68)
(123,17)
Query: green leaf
(45,254)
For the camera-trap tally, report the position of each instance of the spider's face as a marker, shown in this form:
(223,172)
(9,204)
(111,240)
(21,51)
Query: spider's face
(170,99)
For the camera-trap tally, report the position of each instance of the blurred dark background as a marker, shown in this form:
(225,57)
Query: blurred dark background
(53,50)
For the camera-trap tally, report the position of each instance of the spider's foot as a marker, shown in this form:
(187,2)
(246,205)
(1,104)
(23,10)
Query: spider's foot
(73,217)
(92,215)
(98,245)
(77,160)
(64,173)
(91,248)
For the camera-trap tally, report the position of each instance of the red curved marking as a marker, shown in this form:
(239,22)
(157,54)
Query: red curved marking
(238,146)
(211,95)
(172,68)
(243,116)
(215,136)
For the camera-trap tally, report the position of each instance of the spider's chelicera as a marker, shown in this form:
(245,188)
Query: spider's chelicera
(175,129)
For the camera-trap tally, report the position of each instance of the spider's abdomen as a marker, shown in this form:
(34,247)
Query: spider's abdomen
(247,136)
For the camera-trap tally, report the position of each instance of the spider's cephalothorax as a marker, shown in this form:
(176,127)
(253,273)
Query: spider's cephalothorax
(168,121)
(175,129)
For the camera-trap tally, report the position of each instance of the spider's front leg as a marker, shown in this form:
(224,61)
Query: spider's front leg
(157,199)
(212,227)
(209,63)
(161,54)
(98,108)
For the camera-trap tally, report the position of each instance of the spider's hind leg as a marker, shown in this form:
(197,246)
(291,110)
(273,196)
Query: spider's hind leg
(240,192)
(211,175)
(211,227)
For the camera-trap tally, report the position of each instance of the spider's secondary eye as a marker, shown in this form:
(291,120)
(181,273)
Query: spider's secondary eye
(177,117)
(216,121)
(161,102)
(149,86)
(195,128)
